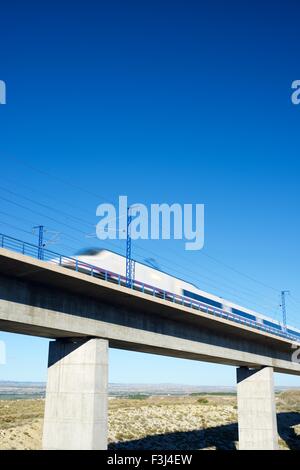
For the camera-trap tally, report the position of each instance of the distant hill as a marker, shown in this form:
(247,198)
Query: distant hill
(165,389)
(11,383)
(14,389)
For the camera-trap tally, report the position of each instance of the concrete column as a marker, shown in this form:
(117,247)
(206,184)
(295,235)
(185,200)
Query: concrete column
(76,395)
(256,409)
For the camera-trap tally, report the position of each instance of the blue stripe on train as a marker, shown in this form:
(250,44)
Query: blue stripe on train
(273,325)
(296,333)
(200,298)
(243,314)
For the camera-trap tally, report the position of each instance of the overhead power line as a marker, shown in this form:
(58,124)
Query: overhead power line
(76,219)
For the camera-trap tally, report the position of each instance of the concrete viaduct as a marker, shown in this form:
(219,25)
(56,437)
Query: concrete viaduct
(86,315)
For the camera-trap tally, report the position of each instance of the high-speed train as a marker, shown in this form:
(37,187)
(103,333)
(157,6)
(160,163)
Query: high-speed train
(113,263)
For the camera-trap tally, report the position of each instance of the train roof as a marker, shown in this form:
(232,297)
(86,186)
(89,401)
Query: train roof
(94,251)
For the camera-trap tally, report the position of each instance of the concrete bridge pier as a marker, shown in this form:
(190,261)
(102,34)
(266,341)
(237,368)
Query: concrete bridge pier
(76,395)
(256,409)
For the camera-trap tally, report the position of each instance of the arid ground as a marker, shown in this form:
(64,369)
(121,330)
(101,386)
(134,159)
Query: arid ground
(183,423)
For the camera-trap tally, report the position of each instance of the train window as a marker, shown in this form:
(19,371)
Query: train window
(205,300)
(273,325)
(88,252)
(243,314)
(292,332)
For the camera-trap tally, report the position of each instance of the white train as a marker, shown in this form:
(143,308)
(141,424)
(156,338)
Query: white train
(108,261)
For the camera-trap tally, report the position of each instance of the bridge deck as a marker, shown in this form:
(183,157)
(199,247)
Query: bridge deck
(31,290)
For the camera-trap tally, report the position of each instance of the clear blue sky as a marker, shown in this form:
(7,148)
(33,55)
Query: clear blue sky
(179,101)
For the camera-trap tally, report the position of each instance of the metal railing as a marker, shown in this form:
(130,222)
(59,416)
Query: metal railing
(49,256)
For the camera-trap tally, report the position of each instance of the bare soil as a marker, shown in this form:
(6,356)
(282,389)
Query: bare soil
(205,422)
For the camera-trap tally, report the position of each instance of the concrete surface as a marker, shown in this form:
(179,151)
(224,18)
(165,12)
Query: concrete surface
(76,396)
(256,409)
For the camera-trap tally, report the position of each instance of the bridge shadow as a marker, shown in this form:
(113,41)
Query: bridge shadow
(222,437)
(286,423)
